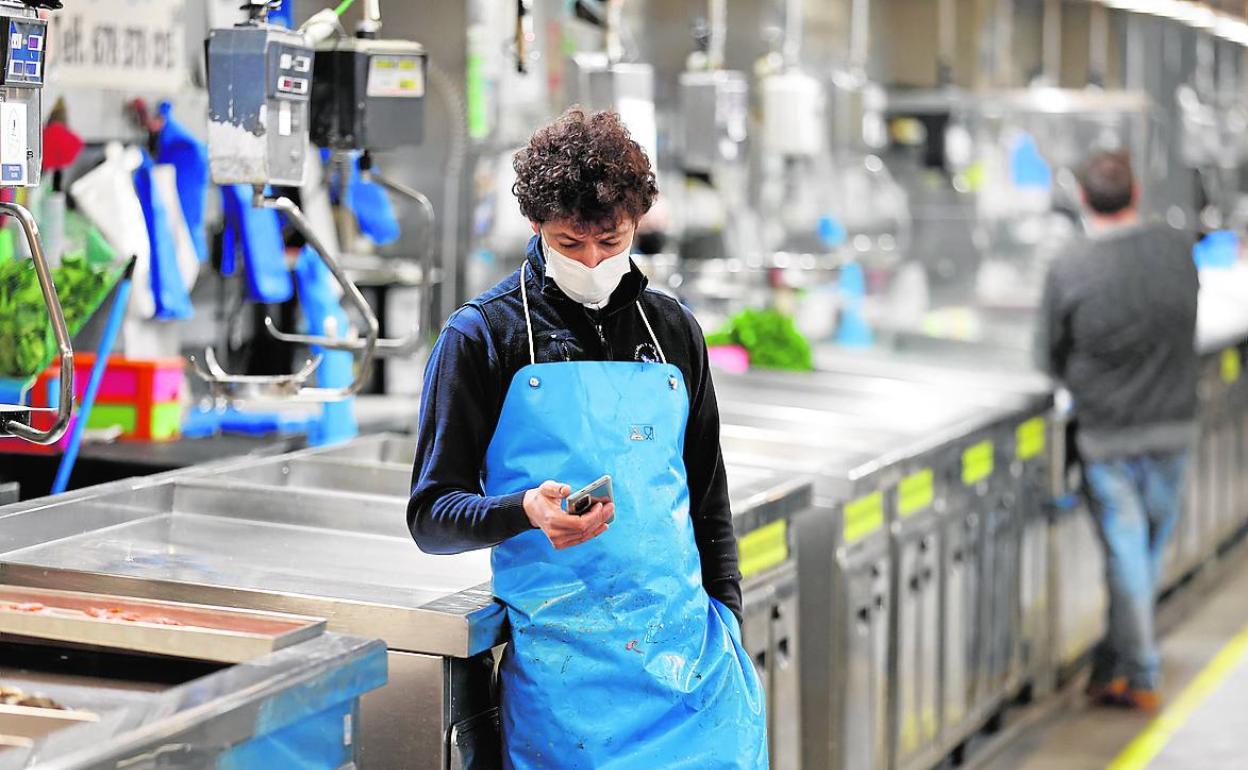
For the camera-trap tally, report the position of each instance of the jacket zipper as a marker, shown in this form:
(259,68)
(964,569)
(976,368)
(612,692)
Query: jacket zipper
(602,338)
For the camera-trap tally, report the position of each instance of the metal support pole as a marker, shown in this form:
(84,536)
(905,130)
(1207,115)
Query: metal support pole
(947,35)
(1003,31)
(717,19)
(1098,44)
(792,49)
(1051,40)
(859,35)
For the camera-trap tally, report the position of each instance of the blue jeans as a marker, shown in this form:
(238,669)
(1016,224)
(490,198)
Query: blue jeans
(1135,504)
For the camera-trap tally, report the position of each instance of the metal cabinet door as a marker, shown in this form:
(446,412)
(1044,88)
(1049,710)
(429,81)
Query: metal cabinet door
(907,609)
(990,626)
(758,598)
(916,639)
(862,730)
(1034,602)
(1090,625)
(1241,465)
(1207,512)
(928,668)
(1034,594)
(1000,586)
(1228,442)
(1187,530)
(1077,580)
(786,676)
(960,590)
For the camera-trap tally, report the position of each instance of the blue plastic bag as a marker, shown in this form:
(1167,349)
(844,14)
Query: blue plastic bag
(189,156)
(173,301)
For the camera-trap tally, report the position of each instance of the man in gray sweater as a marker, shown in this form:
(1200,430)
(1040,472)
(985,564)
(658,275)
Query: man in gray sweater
(1117,328)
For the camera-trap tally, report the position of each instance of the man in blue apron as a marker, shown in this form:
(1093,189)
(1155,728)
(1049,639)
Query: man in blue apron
(625,621)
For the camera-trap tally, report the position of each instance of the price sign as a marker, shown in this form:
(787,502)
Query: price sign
(129,45)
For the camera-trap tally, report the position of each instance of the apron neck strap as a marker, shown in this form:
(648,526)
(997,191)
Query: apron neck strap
(528,319)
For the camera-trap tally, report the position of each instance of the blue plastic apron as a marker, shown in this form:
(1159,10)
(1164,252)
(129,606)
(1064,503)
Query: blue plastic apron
(618,657)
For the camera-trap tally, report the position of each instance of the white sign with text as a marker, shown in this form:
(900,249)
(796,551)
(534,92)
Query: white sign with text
(119,44)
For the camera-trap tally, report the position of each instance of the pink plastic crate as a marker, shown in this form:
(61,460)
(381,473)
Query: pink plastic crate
(142,382)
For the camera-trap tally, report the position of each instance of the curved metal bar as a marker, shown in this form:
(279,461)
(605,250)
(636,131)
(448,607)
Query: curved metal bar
(414,195)
(413,341)
(291,387)
(426,254)
(386,348)
(350,290)
(245,387)
(65,394)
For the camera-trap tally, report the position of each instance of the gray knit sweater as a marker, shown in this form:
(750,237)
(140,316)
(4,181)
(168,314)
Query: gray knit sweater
(1117,327)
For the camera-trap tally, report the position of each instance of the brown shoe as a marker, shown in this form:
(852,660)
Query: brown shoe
(1109,693)
(1147,701)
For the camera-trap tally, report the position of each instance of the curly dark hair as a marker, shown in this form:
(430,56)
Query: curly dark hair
(584,167)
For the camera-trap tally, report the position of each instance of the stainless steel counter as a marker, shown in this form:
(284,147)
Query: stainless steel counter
(201,718)
(347,558)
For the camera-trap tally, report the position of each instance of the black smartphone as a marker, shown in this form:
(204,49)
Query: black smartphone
(581,501)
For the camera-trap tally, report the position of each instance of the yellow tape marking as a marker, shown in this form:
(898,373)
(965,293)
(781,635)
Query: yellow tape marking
(977,462)
(1231,366)
(764,548)
(1029,439)
(1148,744)
(863,516)
(915,492)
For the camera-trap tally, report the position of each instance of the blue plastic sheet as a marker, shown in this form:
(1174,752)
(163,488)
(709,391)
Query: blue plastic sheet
(189,157)
(1218,249)
(1028,168)
(615,643)
(311,726)
(853,330)
(374,212)
(320,305)
(173,301)
(257,234)
(316,743)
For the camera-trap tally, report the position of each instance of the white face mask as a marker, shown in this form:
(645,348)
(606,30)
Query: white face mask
(590,286)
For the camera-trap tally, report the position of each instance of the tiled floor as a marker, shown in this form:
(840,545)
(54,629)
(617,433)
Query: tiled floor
(1214,737)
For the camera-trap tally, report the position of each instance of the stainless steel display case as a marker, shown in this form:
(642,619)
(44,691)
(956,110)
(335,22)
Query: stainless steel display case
(139,712)
(957,567)
(347,558)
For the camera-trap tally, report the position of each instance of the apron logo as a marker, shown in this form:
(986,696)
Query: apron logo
(646,353)
(641,433)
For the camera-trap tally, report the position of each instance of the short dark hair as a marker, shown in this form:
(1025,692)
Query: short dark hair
(1108,182)
(584,167)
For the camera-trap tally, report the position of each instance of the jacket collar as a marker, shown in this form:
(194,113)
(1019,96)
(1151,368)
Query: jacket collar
(627,293)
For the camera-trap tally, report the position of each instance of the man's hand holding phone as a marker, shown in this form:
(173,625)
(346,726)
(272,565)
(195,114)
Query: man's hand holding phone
(544,507)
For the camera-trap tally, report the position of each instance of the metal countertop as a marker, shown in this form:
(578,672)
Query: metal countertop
(213,535)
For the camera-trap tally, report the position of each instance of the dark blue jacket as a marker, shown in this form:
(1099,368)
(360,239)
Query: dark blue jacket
(479,351)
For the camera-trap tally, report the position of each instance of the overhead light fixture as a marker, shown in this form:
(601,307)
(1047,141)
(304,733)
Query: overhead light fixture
(1201,16)
(1227,27)
(1196,15)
